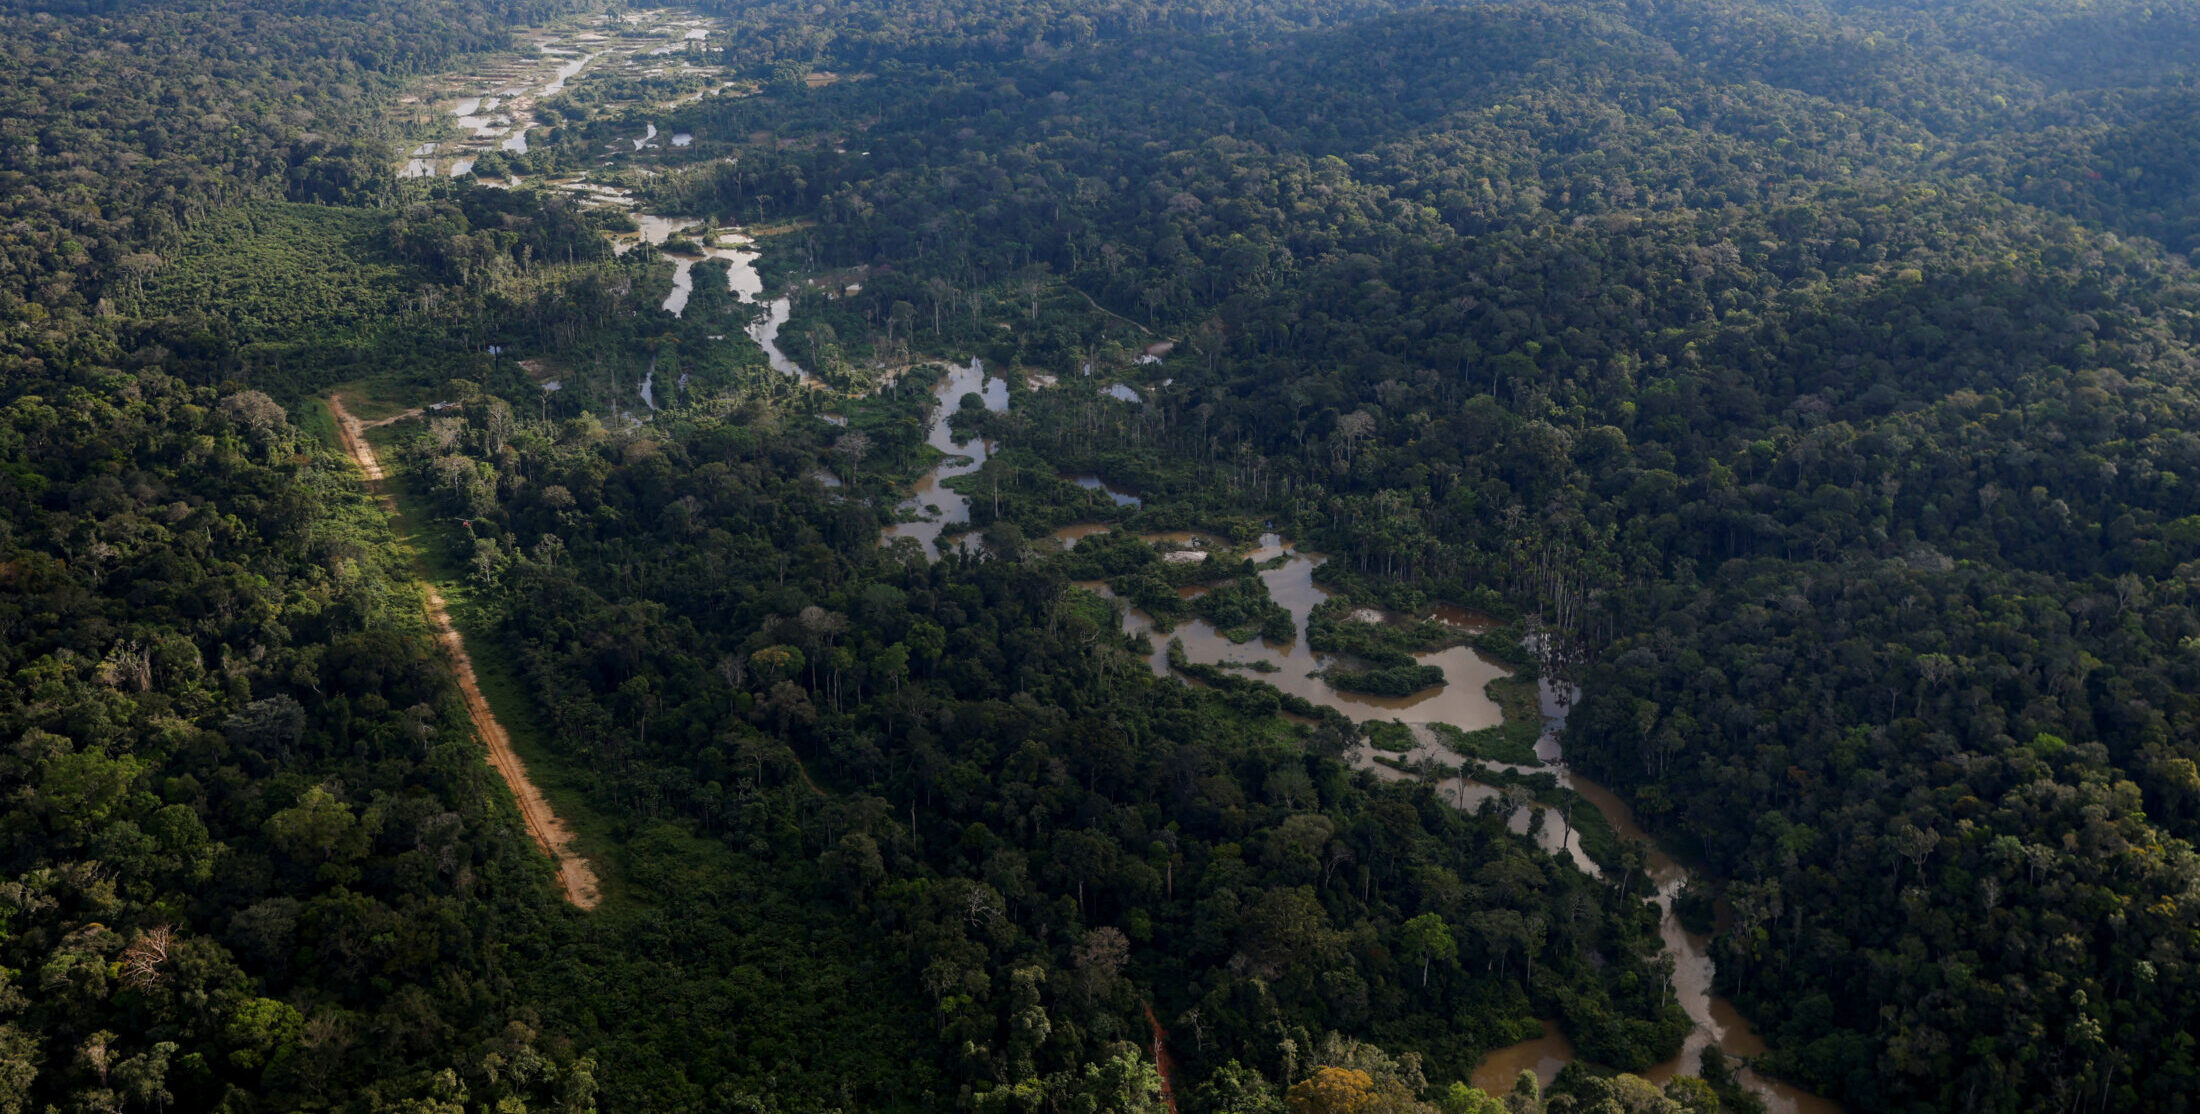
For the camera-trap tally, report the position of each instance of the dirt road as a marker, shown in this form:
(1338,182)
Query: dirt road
(575,877)
(1163,1063)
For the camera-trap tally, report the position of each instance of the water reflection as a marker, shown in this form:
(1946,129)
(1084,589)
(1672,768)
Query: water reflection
(1716,1020)
(742,280)
(565,72)
(1116,495)
(765,332)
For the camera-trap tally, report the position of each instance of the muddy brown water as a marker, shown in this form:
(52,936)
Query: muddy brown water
(765,329)
(1460,702)
(1545,1056)
(1069,536)
(1452,615)
(741,276)
(1717,1021)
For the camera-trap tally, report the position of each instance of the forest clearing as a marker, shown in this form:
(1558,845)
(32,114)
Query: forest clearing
(576,878)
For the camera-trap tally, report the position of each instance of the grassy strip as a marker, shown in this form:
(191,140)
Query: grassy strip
(313,417)
(566,782)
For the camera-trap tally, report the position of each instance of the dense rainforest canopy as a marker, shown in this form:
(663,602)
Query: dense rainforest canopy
(1816,382)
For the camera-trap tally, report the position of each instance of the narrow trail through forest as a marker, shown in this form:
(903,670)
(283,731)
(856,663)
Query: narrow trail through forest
(575,877)
(1163,1064)
(380,422)
(1095,303)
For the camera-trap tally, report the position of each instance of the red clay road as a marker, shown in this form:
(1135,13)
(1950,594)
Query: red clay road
(575,877)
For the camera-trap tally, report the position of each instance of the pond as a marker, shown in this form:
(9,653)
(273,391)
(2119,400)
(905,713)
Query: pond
(765,332)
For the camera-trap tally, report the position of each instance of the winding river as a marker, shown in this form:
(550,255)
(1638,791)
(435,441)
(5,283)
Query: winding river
(738,253)
(935,505)
(1462,703)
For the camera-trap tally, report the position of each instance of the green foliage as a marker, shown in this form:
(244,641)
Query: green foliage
(1242,610)
(1773,359)
(1396,680)
(1392,736)
(282,271)
(1775,363)
(248,790)
(847,734)
(192,110)
(1696,908)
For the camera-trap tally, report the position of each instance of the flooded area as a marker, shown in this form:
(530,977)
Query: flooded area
(1069,536)
(492,106)
(1716,1020)
(565,71)
(741,277)
(742,280)
(940,506)
(735,250)
(493,109)
(1460,701)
